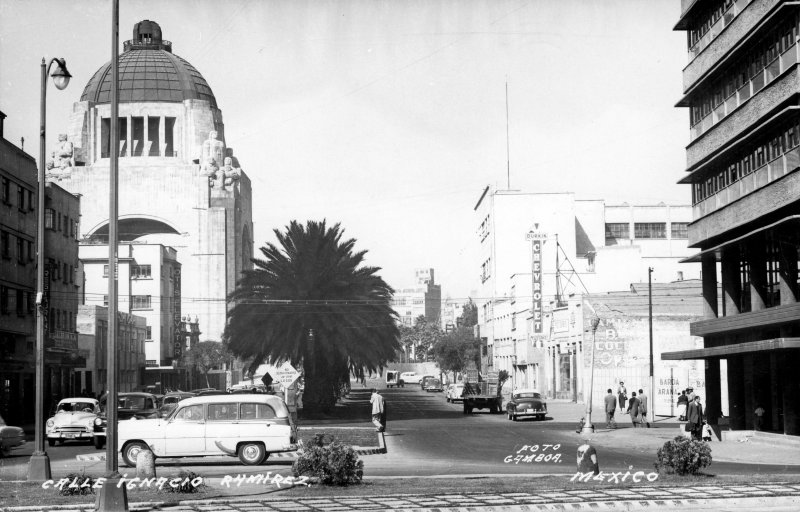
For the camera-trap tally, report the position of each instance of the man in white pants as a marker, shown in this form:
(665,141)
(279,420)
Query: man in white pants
(377,409)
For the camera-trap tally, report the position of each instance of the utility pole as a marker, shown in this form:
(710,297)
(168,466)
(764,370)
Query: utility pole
(650,322)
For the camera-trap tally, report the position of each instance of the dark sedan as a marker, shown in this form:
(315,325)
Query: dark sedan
(526,403)
(130,406)
(170,401)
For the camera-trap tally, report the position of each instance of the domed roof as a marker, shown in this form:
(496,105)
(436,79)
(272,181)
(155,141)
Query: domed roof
(149,71)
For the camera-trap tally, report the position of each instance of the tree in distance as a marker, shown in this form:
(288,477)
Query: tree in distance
(206,356)
(310,302)
(459,347)
(422,337)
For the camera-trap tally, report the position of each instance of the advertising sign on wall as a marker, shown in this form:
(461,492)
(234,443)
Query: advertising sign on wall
(537,239)
(177,350)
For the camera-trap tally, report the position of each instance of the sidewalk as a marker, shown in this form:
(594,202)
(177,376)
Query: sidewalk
(777,496)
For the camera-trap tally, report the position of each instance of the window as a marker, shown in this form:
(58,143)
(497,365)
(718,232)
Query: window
(140,301)
(5,242)
(67,224)
(105,300)
(140,272)
(6,191)
(3,300)
(74,231)
(49,218)
(105,270)
(21,198)
(169,127)
(222,412)
(148,333)
(650,230)
(190,413)
(617,230)
(256,412)
(30,250)
(20,305)
(137,135)
(30,200)
(20,250)
(66,274)
(153,124)
(680,229)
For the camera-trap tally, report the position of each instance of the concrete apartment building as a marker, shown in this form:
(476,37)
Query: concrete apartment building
(541,254)
(180,185)
(741,87)
(18,196)
(149,282)
(93,340)
(423,299)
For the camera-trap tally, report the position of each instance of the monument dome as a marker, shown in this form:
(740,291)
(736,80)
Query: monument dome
(149,71)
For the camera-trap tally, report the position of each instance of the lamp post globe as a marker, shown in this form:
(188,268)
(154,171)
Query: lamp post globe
(60,75)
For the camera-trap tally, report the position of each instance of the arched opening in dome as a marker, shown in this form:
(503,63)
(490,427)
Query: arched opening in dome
(131,228)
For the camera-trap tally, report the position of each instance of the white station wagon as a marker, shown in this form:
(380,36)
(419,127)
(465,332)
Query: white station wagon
(250,426)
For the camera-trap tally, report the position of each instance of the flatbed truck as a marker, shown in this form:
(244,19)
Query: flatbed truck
(482,393)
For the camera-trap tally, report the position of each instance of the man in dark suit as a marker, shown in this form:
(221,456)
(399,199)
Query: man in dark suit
(694,416)
(611,407)
(633,409)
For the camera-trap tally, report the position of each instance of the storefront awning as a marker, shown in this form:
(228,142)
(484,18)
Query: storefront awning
(717,251)
(735,349)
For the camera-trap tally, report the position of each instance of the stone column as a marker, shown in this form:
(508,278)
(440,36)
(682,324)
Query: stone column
(713,396)
(787,253)
(731,283)
(758,274)
(736,400)
(709,270)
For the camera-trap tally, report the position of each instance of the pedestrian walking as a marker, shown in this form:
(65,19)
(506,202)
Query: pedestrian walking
(377,409)
(633,409)
(683,402)
(759,417)
(695,419)
(622,393)
(643,408)
(611,408)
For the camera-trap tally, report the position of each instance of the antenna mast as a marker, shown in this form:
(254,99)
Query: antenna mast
(508,151)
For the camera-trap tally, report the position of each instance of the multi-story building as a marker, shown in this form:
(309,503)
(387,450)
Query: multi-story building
(741,86)
(18,196)
(180,185)
(540,253)
(93,341)
(149,284)
(424,299)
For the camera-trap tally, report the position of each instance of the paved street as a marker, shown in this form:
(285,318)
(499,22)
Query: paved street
(427,436)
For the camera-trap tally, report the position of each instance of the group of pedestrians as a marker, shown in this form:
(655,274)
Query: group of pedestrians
(636,406)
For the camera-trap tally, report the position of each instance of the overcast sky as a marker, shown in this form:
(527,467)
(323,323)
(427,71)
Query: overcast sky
(390,116)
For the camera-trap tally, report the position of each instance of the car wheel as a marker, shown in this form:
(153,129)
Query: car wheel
(131,451)
(99,442)
(51,442)
(251,454)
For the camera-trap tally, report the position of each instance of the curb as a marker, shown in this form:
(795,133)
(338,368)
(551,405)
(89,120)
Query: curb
(360,450)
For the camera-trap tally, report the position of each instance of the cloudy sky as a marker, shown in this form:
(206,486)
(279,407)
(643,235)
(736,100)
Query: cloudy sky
(390,116)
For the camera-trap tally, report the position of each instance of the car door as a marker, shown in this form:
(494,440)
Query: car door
(258,422)
(222,428)
(184,434)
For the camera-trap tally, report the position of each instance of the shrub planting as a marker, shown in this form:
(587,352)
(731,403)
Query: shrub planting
(683,456)
(79,484)
(189,482)
(333,463)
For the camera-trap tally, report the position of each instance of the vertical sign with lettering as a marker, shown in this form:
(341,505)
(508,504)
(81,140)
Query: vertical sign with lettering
(536,244)
(177,350)
(46,299)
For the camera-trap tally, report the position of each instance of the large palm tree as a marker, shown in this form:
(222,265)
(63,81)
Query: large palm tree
(307,301)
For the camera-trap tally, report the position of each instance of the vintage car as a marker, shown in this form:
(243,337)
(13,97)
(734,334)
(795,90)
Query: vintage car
(455,392)
(73,420)
(250,426)
(170,401)
(10,438)
(433,385)
(526,403)
(130,406)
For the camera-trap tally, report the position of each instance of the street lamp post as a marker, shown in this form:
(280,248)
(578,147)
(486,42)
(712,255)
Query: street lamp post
(39,466)
(588,427)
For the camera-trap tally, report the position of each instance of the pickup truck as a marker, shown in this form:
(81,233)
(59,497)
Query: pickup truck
(482,393)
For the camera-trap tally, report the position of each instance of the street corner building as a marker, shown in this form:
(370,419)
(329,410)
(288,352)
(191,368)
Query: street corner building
(180,186)
(742,86)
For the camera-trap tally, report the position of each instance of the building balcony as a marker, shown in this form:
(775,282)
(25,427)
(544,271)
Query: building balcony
(763,319)
(761,177)
(757,82)
(776,84)
(715,45)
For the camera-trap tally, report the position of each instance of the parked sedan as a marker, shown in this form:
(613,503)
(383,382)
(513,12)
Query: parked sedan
(455,392)
(171,400)
(10,438)
(526,403)
(72,421)
(130,406)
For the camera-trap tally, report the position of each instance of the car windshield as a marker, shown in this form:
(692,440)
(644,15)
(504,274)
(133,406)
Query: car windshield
(527,395)
(75,407)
